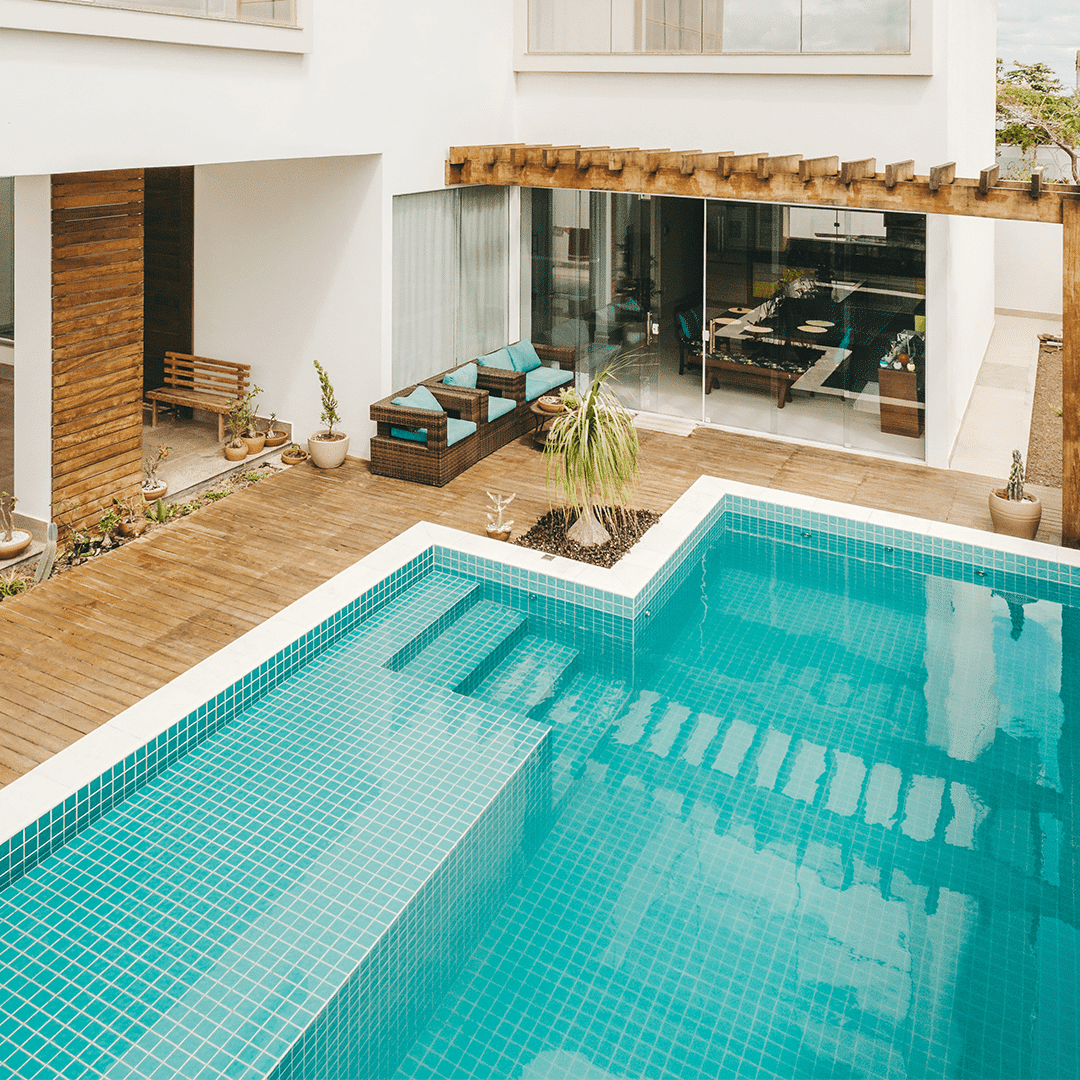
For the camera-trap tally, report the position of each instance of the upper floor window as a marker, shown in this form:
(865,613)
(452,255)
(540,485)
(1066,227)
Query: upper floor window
(282,12)
(720,26)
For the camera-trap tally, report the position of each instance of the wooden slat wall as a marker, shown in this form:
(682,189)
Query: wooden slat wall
(97,346)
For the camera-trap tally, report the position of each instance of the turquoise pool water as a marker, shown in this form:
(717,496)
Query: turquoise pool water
(815,815)
(824,826)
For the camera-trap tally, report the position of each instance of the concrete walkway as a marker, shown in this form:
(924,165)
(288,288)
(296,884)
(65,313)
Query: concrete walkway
(998,417)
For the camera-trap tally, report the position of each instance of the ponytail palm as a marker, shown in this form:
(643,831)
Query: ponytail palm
(592,458)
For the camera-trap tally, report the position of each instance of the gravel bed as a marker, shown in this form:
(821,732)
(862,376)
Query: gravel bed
(1043,465)
(626,528)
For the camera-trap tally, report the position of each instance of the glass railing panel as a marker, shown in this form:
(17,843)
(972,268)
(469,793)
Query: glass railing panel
(570,26)
(862,26)
(719,26)
(282,12)
(761,26)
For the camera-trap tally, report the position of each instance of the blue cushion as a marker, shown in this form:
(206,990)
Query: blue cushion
(404,433)
(500,359)
(463,376)
(420,398)
(523,356)
(543,380)
(499,406)
(456,430)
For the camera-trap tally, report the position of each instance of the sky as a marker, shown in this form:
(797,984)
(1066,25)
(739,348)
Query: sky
(1040,30)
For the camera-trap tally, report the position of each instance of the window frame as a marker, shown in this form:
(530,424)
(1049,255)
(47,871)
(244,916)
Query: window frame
(918,61)
(113,20)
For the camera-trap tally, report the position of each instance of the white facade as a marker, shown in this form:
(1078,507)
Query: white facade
(300,146)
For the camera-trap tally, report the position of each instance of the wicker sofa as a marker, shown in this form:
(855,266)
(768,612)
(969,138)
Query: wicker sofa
(420,444)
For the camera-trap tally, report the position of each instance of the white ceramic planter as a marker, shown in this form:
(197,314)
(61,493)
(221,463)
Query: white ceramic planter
(327,455)
(1013,518)
(19,542)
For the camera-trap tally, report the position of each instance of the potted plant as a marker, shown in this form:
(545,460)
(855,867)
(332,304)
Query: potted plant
(132,517)
(153,486)
(592,454)
(253,438)
(236,421)
(328,447)
(294,455)
(1014,511)
(12,541)
(497,527)
(275,436)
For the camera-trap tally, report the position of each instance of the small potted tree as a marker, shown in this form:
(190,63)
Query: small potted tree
(498,527)
(592,455)
(132,517)
(1015,512)
(275,436)
(155,487)
(253,438)
(12,541)
(328,447)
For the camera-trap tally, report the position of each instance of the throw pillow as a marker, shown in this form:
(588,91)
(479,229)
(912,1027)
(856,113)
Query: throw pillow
(420,398)
(498,359)
(463,376)
(524,356)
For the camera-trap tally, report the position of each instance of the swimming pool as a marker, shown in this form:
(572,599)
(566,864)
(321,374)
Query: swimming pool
(770,854)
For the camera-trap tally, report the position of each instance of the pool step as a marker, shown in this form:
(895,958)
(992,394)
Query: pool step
(579,716)
(463,655)
(411,621)
(530,676)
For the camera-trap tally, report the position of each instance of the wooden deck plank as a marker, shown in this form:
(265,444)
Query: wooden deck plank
(79,647)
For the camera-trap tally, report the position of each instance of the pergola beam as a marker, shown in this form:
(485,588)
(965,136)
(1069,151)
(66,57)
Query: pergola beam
(794,180)
(758,177)
(1070,376)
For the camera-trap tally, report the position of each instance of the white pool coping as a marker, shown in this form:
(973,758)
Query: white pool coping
(36,793)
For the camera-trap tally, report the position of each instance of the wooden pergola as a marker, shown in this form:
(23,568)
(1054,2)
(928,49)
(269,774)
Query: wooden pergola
(824,181)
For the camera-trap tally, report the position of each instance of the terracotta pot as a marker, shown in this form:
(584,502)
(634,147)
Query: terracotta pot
(1012,518)
(498,534)
(156,493)
(19,542)
(293,459)
(276,437)
(328,453)
(236,453)
(132,528)
(254,443)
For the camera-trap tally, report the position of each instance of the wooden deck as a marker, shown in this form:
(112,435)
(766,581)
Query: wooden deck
(82,647)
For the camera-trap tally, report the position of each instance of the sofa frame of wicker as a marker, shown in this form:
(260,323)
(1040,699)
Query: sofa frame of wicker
(396,449)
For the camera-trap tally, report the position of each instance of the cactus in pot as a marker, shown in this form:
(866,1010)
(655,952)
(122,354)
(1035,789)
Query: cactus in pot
(1014,511)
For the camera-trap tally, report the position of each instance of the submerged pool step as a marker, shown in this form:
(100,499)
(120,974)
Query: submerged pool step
(411,621)
(463,654)
(530,676)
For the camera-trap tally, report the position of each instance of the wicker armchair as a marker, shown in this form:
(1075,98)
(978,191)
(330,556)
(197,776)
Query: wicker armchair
(433,462)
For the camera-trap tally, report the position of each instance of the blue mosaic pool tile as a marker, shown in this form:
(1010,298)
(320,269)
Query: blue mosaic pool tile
(215,916)
(27,848)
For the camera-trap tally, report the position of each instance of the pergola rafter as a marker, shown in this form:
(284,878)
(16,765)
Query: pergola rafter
(823,181)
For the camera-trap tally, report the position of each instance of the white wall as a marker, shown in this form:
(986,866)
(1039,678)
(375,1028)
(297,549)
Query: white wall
(970,321)
(287,271)
(33,346)
(405,80)
(1029,267)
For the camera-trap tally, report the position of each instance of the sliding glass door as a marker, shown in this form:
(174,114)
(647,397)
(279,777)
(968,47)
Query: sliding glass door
(796,321)
(606,273)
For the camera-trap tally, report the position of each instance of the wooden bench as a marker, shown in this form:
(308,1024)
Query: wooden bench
(201,383)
